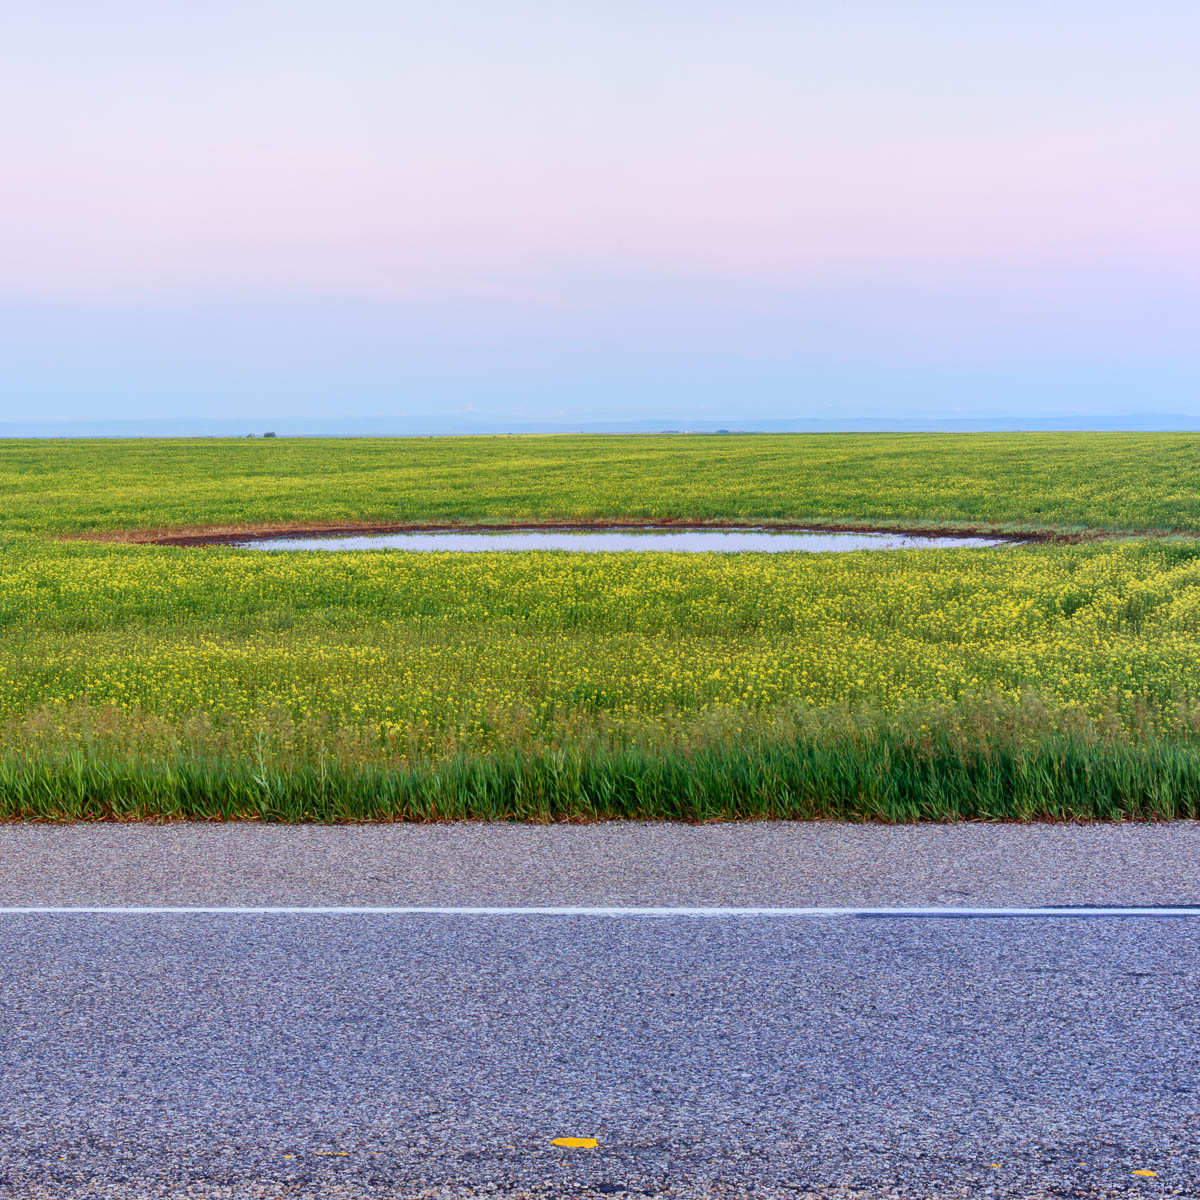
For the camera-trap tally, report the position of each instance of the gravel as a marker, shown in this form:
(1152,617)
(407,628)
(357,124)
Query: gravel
(754,863)
(338,1191)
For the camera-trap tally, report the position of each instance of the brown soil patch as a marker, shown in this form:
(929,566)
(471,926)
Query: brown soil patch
(224,535)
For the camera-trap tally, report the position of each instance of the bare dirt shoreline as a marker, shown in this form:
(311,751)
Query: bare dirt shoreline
(226,535)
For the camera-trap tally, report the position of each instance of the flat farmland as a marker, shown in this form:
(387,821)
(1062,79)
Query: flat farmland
(1055,678)
(1063,481)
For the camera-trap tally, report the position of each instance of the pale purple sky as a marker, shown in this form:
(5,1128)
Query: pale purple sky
(599,209)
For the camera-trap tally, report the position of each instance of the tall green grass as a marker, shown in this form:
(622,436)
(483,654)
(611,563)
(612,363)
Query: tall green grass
(991,763)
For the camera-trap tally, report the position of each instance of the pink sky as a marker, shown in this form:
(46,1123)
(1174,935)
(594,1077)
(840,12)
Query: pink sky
(937,165)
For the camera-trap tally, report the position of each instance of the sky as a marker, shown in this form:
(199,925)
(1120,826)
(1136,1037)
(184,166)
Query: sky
(599,209)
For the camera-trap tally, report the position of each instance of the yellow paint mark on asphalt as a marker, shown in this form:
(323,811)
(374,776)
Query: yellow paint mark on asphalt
(993,1164)
(576,1143)
(1147,1174)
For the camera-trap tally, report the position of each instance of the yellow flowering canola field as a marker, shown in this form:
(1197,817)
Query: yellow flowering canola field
(464,642)
(387,659)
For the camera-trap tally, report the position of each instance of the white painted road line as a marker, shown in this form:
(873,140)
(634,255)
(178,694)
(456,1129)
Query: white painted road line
(285,910)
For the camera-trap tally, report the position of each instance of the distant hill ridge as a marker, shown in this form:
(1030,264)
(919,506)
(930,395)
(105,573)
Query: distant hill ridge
(434,426)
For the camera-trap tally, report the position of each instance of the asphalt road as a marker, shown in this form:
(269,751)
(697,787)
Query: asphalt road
(780,863)
(214,1055)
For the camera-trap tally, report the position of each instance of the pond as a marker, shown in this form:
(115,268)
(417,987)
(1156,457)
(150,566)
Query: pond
(688,541)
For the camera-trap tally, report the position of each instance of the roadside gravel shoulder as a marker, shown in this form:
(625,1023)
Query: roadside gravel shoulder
(338,1191)
(628,863)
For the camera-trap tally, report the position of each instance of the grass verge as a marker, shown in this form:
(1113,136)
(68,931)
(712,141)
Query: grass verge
(993,761)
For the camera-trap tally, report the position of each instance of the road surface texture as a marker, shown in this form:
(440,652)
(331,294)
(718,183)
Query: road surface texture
(345,1056)
(779,863)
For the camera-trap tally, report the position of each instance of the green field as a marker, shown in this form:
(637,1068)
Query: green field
(1056,679)
(1068,481)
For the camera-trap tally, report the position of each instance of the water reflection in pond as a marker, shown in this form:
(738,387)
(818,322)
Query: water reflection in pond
(682,540)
